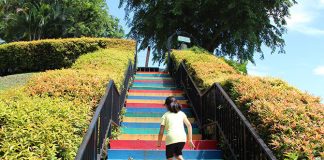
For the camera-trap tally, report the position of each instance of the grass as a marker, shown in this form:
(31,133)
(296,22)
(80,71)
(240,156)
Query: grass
(16,80)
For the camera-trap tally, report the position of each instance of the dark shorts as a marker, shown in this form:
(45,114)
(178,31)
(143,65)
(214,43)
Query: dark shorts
(174,149)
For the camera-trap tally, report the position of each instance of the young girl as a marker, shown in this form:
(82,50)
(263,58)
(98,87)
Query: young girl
(176,136)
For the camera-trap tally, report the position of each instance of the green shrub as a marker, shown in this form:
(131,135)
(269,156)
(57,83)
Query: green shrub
(289,121)
(20,57)
(241,67)
(48,117)
(40,128)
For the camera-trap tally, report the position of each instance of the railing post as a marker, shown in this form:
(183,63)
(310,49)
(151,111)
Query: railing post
(245,143)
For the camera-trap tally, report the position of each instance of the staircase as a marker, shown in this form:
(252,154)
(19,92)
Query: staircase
(141,123)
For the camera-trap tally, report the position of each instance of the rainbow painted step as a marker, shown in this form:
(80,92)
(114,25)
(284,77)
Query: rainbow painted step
(149,119)
(149,130)
(145,84)
(155,97)
(149,137)
(160,154)
(152,75)
(141,122)
(149,105)
(147,125)
(154,81)
(147,145)
(153,112)
(148,77)
(152,101)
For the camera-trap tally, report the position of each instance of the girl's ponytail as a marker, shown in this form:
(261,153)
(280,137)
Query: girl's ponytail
(175,107)
(172,105)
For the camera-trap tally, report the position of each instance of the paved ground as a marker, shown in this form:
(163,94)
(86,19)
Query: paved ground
(14,80)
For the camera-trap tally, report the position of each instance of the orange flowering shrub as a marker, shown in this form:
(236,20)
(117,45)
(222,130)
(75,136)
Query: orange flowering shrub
(48,117)
(289,121)
(86,79)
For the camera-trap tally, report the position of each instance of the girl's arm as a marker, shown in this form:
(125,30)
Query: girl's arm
(160,135)
(187,123)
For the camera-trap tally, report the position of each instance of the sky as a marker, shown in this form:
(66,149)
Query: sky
(301,66)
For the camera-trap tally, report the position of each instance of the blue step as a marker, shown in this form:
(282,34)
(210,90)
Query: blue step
(152,83)
(147,125)
(160,154)
(154,97)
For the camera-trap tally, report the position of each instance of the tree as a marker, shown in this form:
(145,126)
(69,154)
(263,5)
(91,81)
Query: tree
(37,19)
(226,27)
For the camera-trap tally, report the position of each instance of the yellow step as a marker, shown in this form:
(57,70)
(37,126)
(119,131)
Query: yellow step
(149,137)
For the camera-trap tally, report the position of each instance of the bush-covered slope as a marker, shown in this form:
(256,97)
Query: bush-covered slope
(291,122)
(40,55)
(48,117)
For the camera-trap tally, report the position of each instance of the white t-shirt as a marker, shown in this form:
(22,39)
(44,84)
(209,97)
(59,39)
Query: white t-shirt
(174,126)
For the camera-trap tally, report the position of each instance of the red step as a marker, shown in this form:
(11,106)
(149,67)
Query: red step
(151,145)
(155,91)
(149,105)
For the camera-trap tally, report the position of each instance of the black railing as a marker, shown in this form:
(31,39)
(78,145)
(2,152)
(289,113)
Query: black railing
(219,118)
(148,69)
(106,115)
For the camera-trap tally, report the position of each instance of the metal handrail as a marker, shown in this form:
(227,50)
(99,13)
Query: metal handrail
(214,107)
(106,115)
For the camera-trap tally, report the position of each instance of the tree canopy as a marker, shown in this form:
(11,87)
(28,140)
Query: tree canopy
(231,28)
(38,19)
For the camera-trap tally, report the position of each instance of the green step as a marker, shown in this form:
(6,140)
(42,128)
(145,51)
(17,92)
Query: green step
(150,130)
(152,78)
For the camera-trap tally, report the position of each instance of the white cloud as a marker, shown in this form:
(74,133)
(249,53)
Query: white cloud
(319,71)
(257,71)
(321,2)
(303,16)
(298,17)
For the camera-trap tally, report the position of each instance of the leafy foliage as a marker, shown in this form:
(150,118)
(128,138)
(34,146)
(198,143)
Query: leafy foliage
(32,20)
(241,67)
(289,121)
(234,28)
(46,54)
(40,128)
(48,117)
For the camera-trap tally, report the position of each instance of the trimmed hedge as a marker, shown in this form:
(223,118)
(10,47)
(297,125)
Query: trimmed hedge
(41,55)
(289,121)
(48,117)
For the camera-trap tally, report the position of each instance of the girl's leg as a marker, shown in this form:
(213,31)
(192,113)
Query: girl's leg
(178,150)
(179,157)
